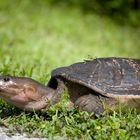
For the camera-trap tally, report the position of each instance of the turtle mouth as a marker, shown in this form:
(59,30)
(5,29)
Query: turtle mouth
(26,93)
(20,96)
(13,93)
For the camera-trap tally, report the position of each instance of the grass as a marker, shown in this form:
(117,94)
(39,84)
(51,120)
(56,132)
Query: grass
(36,38)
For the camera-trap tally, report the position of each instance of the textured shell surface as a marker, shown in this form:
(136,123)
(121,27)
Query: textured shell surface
(107,76)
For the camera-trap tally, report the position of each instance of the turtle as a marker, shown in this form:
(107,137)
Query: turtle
(91,85)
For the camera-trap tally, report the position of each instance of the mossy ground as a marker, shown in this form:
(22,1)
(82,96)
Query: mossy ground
(35,38)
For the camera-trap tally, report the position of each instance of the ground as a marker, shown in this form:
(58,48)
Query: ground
(35,38)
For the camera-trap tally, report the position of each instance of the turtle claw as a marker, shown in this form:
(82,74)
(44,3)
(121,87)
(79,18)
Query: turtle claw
(90,103)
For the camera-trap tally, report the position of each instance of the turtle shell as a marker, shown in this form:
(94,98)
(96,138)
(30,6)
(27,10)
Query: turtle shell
(107,76)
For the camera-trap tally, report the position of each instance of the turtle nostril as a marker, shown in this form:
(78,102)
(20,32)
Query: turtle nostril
(6,79)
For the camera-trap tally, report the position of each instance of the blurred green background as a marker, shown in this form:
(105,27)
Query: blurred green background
(37,36)
(56,33)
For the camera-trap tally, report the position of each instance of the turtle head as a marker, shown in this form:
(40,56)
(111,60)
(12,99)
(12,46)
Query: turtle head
(25,93)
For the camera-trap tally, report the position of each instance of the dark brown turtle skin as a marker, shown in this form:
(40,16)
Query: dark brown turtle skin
(92,85)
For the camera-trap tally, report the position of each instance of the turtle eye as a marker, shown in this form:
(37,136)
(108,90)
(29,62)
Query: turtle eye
(6,79)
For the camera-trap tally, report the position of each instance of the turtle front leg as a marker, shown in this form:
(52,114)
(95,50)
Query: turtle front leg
(90,103)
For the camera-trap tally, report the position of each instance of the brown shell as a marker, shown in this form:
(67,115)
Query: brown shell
(107,76)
